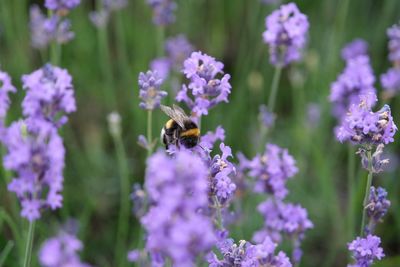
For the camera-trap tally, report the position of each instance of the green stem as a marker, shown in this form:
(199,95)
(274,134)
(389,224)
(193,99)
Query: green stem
(274,88)
(123,219)
(219,214)
(367,189)
(6,251)
(351,191)
(149,132)
(160,40)
(55,48)
(29,244)
(105,65)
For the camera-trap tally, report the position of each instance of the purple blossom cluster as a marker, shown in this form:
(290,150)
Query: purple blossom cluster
(366,250)
(36,155)
(266,117)
(355,48)
(270,170)
(377,207)
(391,79)
(6,88)
(101,17)
(61,251)
(282,218)
(163,11)
(222,185)
(246,254)
(150,93)
(61,4)
(45,30)
(363,126)
(286,34)
(206,90)
(178,192)
(49,95)
(35,151)
(356,79)
(177,49)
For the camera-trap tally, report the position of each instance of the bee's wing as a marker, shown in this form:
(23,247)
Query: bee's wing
(175,114)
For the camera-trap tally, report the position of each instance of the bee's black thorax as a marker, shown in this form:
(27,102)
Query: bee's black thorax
(174,134)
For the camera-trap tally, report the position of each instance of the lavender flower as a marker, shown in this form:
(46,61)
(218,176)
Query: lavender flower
(267,118)
(150,93)
(35,152)
(355,48)
(208,140)
(282,218)
(206,89)
(61,251)
(46,30)
(270,170)
(362,126)
(178,49)
(221,184)
(248,255)
(162,66)
(391,81)
(313,115)
(366,250)
(377,206)
(286,34)
(61,4)
(139,200)
(377,164)
(49,95)
(100,18)
(163,11)
(394,43)
(6,87)
(177,189)
(356,79)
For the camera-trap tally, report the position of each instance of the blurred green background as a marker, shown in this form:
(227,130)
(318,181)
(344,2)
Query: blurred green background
(229,30)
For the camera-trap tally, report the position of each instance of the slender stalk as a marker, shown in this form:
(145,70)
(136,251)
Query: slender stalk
(350,191)
(217,206)
(367,189)
(55,48)
(160,40)
(6,251)
(123,219)
(149,132)
(29,244)
(274,88)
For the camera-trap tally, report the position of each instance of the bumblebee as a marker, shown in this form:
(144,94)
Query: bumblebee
(180,129)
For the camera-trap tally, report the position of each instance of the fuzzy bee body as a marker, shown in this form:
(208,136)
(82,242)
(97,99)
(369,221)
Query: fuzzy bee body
(180,129)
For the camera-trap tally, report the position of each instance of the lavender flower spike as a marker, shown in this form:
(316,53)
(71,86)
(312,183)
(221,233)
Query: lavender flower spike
(377,206)
(205,90)
(355,48)
(49,96)
(5,88)
(61,251)
(176,227)
(35,152)
(365,251)
(163,11)
(286,34)
(394,44)
(150,93)
(61,4)
(362,126)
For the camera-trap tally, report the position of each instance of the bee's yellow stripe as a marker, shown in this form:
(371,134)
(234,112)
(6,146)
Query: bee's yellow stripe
(195,132)
(169,124)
